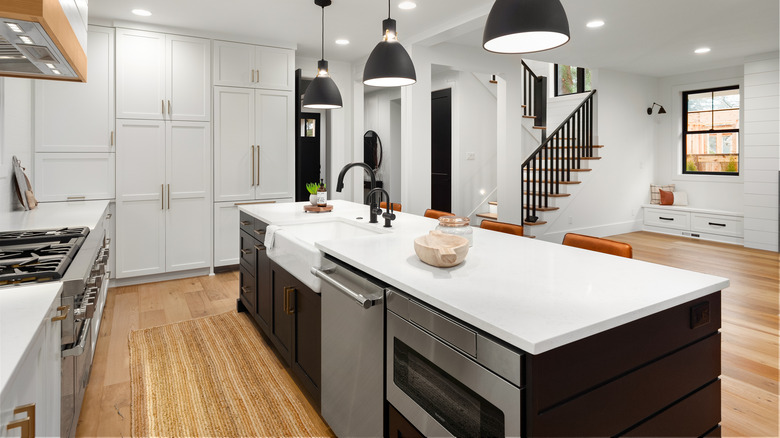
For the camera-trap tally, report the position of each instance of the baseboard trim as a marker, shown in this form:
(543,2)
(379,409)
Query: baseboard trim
(597,231)
(696,235)
(131,281)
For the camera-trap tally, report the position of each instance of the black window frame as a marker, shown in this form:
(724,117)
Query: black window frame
(685,131)
(580,81)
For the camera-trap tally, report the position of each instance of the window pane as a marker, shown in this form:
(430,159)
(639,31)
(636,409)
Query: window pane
(726,119)
(588,85)
(712,153)
(311,125)
(700,121)
(726,99)
(567,79)
(700,102)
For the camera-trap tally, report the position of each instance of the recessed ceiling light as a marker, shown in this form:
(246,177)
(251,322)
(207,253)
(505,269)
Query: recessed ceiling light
(25,39)
(702,50)
(14,27)
(50,65)
(595,23)
(407,5)
(142,12)
(56,72)
(342,42)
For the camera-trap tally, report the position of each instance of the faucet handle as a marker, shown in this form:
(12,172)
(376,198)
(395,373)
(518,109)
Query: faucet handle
(388,215)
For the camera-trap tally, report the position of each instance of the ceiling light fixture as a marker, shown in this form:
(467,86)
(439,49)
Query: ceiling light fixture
(525,26)
(407,5)
(322,93)
(25,39)
(595,23)
(342,42)
(661,109)
(702,50)
(389,65)
(14,27)
(56,72)
(50,65)
(141,12)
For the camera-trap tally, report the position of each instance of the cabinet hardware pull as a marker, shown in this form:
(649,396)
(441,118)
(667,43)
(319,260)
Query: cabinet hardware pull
(244,289)
(666,218)
(717,224)
(162,195)
(259,232)
(245,223)
(260,247)
(163,106)
(253,165)
(112,138)
(76,198)
(246,251)
(169,196)
(27,424)
(169,107)
(258,165)
(63,315)
(258,75)
(289,305)
(108,216)
(285,299)
(254,203)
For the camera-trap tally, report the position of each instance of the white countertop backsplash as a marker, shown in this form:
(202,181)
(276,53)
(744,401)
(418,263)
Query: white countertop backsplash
(55,215)
(533,294)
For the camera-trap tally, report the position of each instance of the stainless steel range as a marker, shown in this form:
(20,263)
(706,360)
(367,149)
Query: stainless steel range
(78,258)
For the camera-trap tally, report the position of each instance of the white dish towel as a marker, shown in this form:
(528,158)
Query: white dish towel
(270,231)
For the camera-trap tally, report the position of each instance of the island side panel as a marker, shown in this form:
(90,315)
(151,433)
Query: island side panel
(671,354)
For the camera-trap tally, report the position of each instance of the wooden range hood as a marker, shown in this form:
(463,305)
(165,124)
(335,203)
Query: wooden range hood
(56,43)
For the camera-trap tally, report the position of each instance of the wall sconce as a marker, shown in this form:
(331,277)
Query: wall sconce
(661,109)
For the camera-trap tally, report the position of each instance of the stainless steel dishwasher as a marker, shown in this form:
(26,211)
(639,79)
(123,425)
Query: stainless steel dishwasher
(353,315)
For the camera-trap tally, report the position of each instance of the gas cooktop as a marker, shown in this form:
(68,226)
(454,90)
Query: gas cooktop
(38,255)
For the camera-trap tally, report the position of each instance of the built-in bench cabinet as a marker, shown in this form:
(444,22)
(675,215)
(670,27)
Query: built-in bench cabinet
(286,310)
(722,226)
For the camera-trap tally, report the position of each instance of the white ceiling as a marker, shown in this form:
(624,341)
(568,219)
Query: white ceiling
(655,37)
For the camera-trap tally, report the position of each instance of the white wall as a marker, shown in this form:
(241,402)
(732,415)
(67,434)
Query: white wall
(609,198)
(704,191)
(761,151)
(16,136)
(378,107)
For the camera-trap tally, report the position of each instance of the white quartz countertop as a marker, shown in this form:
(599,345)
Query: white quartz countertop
(55,215)
(22,312)
(533,294)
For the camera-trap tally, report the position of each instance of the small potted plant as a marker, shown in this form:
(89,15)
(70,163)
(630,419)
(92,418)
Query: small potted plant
(312,188)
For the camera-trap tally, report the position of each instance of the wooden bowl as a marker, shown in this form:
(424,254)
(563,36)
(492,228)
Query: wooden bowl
(441,250)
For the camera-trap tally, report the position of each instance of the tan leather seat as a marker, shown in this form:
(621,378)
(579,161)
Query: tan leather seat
(396,206)
(503,227)
(598,244)
(435,214)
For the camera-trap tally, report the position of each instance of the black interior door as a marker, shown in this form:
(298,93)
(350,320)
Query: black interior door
(441,150)
(307,154)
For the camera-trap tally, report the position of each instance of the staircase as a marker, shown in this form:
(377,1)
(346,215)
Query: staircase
(554,168)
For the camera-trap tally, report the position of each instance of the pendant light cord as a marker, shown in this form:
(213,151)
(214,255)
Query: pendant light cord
(322,40)
(388,8)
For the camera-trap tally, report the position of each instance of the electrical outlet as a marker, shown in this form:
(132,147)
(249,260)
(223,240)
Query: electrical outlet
(471,156)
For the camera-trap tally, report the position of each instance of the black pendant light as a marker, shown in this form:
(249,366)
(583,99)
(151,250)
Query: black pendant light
(322,93)
(389,65)
(525,26)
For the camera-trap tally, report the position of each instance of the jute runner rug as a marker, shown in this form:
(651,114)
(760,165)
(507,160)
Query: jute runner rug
(211,377)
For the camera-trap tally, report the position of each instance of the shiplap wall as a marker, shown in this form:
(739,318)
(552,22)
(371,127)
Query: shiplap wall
(761,152)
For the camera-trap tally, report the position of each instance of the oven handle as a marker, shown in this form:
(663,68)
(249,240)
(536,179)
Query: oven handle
(79,348)
(361,300)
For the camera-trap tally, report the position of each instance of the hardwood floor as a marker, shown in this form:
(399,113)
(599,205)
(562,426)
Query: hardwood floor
(106,408)
(749,350)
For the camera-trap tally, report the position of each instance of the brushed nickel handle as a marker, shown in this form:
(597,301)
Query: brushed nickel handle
(169,196)
(258,165)
(112,138)
(259,232)
(246,251)
(163,106)
(260,247)
(162,195)
(63,315)
(169,108)
(76,198)
(258,75)
(245,223)
(253,165)
(27,424)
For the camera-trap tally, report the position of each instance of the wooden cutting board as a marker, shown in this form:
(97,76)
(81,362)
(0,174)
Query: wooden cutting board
(22,183)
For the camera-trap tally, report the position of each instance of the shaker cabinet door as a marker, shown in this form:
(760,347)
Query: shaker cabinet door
(188,78)
(274,113)
(235,171)
(140,75)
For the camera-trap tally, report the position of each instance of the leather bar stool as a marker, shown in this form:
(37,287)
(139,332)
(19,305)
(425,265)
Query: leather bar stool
(598,244)
(396,206)
(435,214)
(502,227)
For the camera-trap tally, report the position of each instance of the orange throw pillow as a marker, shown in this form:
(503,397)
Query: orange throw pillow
(667,198)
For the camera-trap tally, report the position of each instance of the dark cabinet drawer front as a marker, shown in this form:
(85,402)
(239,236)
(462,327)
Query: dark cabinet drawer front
(695,415)
(258,230)
(247,252)
(248,291)
(246,222)
(621,404)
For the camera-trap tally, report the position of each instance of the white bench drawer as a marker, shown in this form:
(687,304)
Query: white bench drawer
(680,220)
(729,226)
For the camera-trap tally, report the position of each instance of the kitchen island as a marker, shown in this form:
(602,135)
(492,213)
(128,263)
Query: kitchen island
(609,345)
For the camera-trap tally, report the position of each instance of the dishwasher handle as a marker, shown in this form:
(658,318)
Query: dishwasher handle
(360,299)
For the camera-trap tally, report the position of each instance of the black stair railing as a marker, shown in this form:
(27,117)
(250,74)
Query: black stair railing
(534,96)
(552,162)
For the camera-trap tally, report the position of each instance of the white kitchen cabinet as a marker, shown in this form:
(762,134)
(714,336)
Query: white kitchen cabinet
(722,226)
(163,203)
(246,65)
(75,116)
(253,144)
(74,176)
(226,244)
(162,77)
(37,380)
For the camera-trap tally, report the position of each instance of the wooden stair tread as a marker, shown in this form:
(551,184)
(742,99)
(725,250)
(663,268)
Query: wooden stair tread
(530,237)
(564,158)
(529,117)
(546,208)
(493,216)
(551,195)
(559,182)
(595,146)
(540,127)
(534,223)
(493,202)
